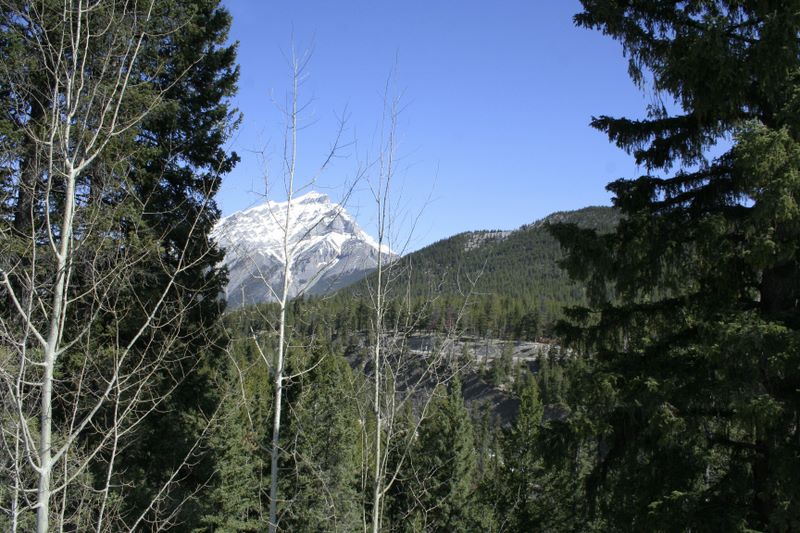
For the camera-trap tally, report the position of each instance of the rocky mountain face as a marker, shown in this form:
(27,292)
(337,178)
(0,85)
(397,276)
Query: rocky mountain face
(326,248)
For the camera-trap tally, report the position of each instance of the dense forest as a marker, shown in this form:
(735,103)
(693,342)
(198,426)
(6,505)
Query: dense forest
(664,394)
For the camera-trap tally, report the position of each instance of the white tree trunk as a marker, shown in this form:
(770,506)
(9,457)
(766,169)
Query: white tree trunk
(389,362)
(278,381)
(56,324)
(288,256)
(378,477)
(86,103)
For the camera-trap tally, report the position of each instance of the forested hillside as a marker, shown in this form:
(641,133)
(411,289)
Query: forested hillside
(512,280)
(522,263)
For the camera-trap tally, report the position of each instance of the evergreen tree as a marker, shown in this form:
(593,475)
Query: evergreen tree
(544,462)
(322,442)
(130,196)
(503,367)
(445,468)
(400,501)
(180,165)
(238,499)
(692,334)
(522,471)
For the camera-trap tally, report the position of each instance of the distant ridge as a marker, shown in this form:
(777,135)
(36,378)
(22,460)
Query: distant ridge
(521,264)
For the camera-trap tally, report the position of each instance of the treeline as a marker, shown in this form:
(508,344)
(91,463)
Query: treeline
(487,316)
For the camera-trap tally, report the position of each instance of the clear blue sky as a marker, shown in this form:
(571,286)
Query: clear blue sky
(498,99)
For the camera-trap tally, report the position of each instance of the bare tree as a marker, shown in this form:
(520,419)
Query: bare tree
(293,235)
(402,378)
(84,358)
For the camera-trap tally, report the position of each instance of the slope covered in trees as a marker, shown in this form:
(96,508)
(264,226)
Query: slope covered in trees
(521,263)
(512,280)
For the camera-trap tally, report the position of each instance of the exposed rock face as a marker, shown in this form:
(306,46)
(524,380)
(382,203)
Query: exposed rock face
(327,249)
(476,239)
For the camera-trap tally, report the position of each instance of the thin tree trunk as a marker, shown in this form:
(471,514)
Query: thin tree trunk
(54,333)
(287,273)
(17,483)
(276,420)
(376,498)
(386,159)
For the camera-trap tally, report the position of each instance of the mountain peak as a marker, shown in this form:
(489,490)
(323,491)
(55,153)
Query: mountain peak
(313,197)
(327,248)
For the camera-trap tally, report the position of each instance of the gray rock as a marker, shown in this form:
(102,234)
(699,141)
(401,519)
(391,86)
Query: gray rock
(328,249)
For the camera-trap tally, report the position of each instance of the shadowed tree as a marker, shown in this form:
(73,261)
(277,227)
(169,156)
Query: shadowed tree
(692,333)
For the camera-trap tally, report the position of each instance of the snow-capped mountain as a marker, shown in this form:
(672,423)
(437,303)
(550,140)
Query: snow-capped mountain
(328,249)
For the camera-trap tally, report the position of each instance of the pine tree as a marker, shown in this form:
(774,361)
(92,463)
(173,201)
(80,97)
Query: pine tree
(522,473)
(322,446)
(108,229)
(543,463)
(400,501)
(238,499)
(182,159)
(692,332)
(140,101)
(445,468)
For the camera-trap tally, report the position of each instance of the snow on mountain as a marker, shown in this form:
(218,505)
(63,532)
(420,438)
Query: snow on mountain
(328,249)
